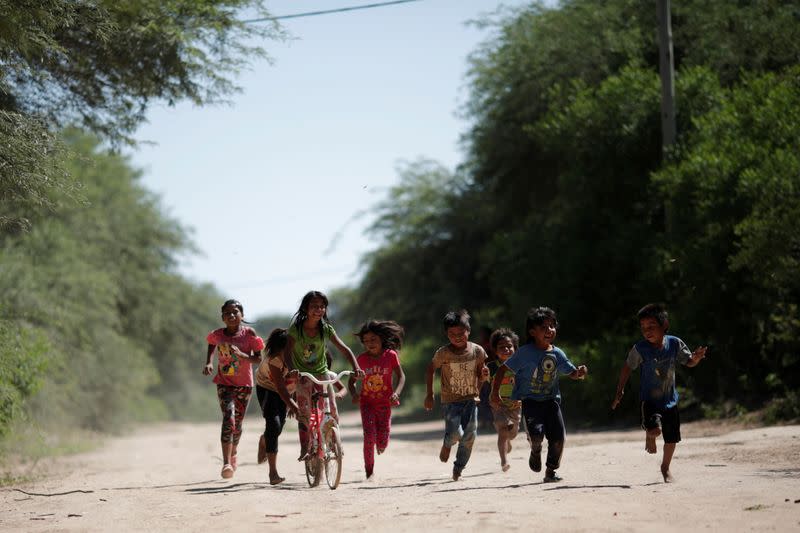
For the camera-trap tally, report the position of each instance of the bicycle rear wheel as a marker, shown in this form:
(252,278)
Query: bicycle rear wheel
(333,457)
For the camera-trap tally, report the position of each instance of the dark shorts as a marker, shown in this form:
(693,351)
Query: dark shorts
(665,418)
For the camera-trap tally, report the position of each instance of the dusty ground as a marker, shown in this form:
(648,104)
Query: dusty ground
(167,478)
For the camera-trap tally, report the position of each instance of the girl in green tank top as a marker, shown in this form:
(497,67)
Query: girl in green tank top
(305,352)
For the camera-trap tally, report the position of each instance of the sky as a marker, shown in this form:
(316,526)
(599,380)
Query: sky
(276,186)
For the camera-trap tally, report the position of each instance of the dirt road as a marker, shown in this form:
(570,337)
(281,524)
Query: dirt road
(167,478)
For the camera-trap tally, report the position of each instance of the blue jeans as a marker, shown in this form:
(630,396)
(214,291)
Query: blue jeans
(460,426)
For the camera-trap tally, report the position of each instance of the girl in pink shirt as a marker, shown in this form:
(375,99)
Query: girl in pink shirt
(237,348)
(381,339)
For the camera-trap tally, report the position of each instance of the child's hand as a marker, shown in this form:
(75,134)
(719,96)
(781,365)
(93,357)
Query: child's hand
(428,403)
(617,399)
(208,369)
(395,399)
(292,408)
(360,374)
(699,354)
(582,371)
(484,373)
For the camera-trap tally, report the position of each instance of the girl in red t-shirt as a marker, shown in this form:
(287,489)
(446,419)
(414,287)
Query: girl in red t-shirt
(381,339)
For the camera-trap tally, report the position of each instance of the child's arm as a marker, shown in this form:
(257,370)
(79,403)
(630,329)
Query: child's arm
(482,370)
(579,373)
(341,390)
(287,355)
(401,382)
(623,379)
(351,385)
(209,368)
(277,378)
(494,396)
(698,355)
(348,354)
(428,404)
(255,358)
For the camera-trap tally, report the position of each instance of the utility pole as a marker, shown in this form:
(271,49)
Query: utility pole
(667,70)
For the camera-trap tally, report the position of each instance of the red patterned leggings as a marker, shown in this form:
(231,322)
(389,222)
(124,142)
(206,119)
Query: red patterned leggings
(233,403)
(377,422)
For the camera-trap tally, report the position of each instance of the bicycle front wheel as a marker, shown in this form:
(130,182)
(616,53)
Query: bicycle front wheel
(333,457)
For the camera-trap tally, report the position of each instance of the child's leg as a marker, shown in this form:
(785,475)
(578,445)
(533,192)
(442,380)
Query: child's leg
(502,445)
(369,425)
(303,396)
(241,397)
(275,414)
(534,423)
(671,426)
(225,397)
(452,429)
(556,435)
(383,421)
(261,396)
(469,430)
(651,423)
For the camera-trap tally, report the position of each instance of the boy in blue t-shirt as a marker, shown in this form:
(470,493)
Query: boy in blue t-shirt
(536,367)
(657,355)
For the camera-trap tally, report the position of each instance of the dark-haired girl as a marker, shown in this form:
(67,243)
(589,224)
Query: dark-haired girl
(380,362)
(237,348)
(305,352)
(274,389)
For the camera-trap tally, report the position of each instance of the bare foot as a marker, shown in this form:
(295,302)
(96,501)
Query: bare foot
(444,454)
(274,479)
(667,475)
(650,444)
(380,450)
(505,466)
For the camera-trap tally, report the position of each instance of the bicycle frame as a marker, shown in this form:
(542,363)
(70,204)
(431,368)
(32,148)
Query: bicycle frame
(324,446)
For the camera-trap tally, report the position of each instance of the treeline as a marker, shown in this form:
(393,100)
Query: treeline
(565,199)
(94,316)
(97,328)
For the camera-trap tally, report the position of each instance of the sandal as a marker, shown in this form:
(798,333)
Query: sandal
(227,471)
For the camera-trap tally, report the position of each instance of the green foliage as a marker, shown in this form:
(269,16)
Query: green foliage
(22,364)
(125,332)
(102,63)
(566,199)
(98,65)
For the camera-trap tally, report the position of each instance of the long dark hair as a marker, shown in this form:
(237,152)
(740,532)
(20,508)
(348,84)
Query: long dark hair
(276,341)
(301,315)
(390,332)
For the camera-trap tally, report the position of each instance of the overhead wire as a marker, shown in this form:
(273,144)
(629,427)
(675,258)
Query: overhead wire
(328,11)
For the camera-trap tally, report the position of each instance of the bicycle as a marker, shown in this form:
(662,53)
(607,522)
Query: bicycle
(324,441)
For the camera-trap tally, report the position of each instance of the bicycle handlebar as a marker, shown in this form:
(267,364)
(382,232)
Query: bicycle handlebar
(338,377)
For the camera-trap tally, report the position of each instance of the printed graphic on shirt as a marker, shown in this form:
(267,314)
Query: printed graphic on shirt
(461,378)
(228,361)
(664,371)
(374,386)
(545,375)
(309,351)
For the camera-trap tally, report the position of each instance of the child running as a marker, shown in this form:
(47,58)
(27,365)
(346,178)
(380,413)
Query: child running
(656,355)
(536,367)
(237,348)
(381,339)
(305,352)
(463,370)
(507,414)
(274,389)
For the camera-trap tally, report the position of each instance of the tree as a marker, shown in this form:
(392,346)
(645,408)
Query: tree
(98,66)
